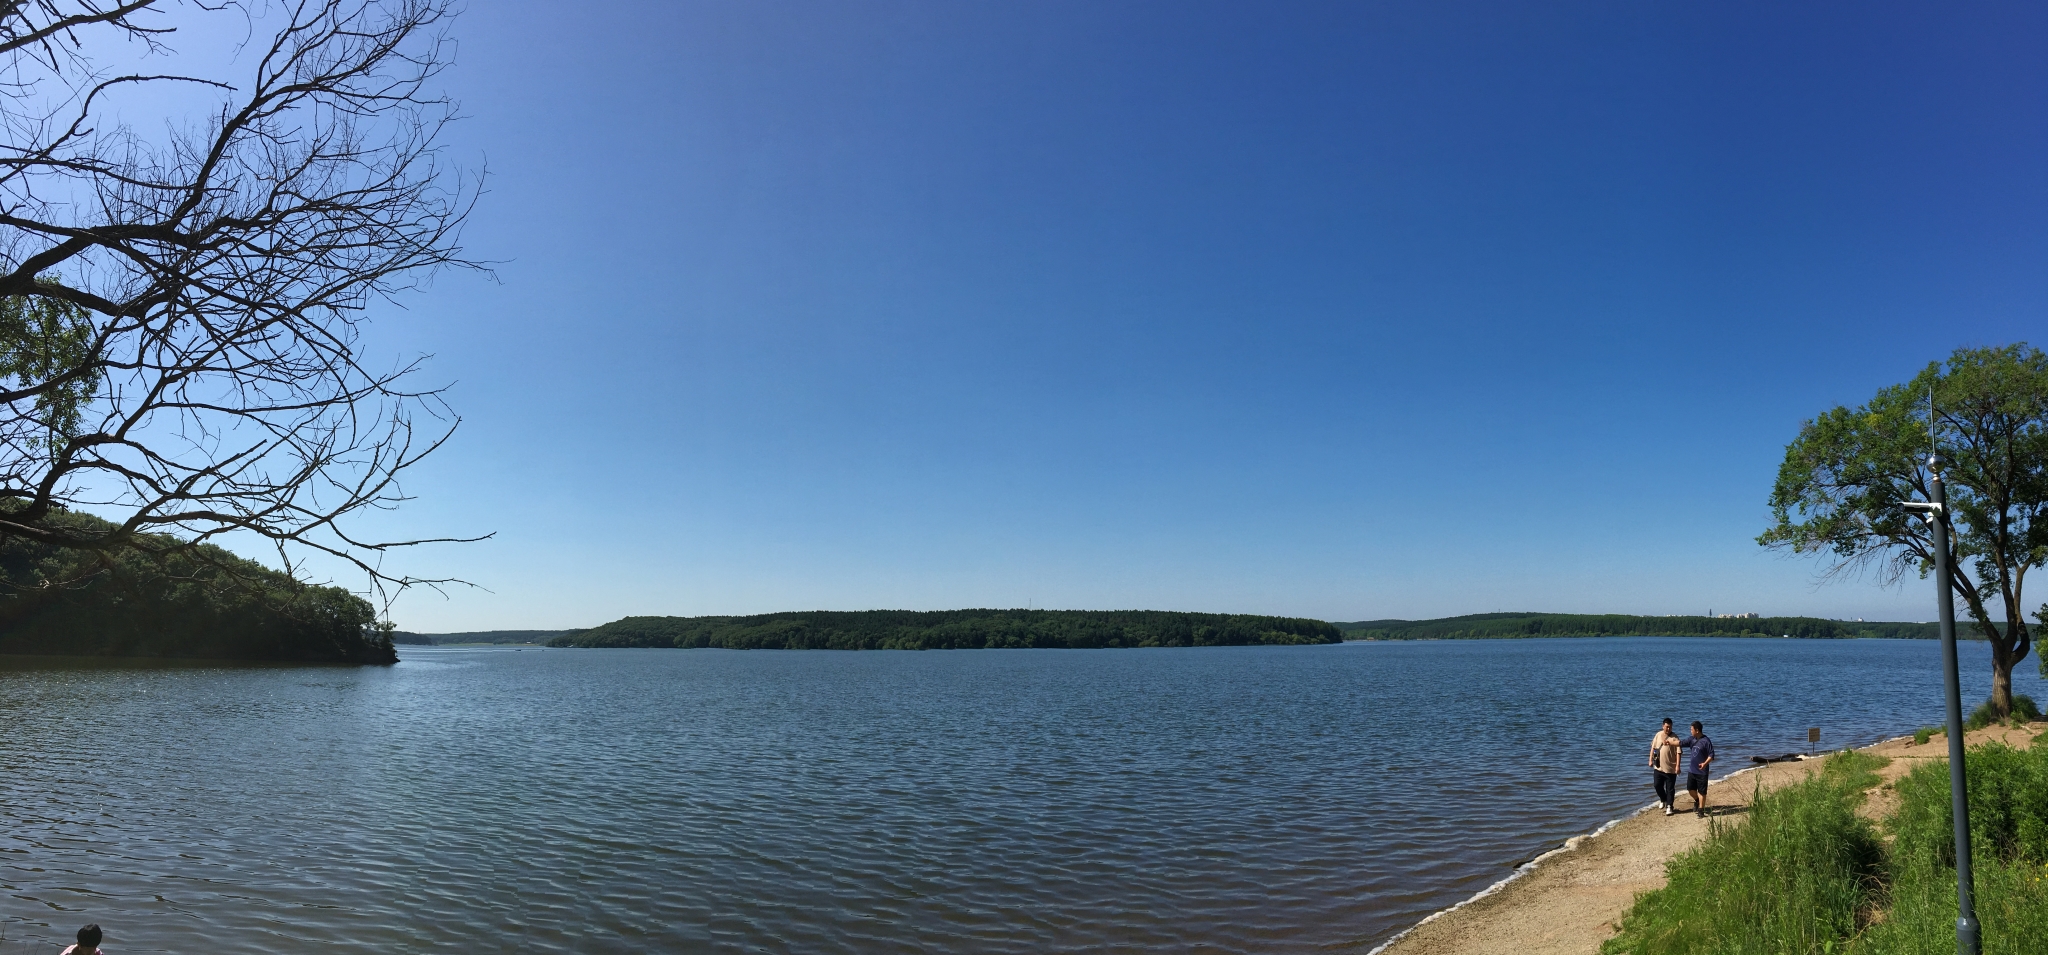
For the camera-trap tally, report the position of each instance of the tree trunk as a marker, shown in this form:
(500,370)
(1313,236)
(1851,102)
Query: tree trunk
(2001,681)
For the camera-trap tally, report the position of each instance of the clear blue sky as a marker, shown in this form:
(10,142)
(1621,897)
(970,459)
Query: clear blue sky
(1343,310)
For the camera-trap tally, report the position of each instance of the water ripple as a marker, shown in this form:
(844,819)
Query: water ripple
(1217,800)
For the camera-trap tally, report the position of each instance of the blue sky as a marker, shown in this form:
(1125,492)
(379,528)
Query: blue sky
(1341,310)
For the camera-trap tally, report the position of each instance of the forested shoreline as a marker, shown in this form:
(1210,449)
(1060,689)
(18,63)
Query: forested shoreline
(1501,626)
(475,637)
(955,630)
(200,603)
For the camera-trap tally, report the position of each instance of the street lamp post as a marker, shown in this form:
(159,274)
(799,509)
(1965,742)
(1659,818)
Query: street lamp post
(1935,512)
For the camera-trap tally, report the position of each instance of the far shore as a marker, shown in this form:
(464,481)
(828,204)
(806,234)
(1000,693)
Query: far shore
(1632,636)
(1503,637)
(1568,901)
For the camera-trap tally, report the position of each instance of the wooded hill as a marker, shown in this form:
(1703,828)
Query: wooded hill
(1495,626)
(954,630)
(197,603)
(409,638)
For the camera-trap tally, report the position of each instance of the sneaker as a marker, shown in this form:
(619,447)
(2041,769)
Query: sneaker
(1667,811)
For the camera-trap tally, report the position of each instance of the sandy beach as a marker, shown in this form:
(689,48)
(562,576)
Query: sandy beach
(1567,902)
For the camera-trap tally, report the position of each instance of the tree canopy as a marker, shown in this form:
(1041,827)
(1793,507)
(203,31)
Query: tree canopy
(1845,476)
(1496,626)
(186,602)
(954,629)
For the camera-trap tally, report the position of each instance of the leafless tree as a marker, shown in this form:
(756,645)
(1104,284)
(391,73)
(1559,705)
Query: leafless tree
(181,306)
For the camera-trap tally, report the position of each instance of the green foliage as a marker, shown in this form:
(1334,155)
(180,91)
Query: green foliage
(2041,619)
(2024,709)
(1797,878)
(49,342)
(200,602)
(478,636)
(954,629)
(1844,477)
(1493,626)
(1925,733)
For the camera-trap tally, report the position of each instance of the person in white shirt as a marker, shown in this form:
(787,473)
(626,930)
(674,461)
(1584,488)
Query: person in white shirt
(1664,765)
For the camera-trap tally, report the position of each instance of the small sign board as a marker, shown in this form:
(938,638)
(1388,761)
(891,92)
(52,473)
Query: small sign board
(1812,737)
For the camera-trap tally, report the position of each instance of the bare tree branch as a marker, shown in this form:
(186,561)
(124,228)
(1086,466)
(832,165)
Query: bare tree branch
(219,274)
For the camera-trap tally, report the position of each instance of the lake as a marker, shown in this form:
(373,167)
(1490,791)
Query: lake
(1254,799)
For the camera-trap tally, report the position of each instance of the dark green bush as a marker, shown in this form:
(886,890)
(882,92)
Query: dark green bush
(2023,708)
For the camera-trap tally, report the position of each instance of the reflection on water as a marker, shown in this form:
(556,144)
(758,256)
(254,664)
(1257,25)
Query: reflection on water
(1225,799)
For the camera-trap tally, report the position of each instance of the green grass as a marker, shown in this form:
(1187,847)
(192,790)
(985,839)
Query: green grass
(2024,710)
(1805,876)
(2009,846)
(2012,908)
(1800,876)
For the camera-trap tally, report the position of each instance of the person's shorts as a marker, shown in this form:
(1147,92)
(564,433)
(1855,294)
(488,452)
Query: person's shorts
(1695,782)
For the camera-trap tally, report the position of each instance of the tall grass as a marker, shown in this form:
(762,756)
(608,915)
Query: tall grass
(1799,877)
(2012,908)
(2009,849)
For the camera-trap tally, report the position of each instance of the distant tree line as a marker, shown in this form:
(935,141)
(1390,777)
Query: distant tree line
(191,602)
(408,638)
(955,630)
(1495,626)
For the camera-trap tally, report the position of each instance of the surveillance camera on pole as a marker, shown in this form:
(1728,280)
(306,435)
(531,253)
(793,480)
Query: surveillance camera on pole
(1935,513)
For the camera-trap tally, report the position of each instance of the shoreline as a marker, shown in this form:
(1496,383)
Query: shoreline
(1566,900)
(1569,845)
(1512,877)
(1631,636)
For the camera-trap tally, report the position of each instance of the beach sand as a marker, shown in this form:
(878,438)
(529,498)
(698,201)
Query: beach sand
(1568,902)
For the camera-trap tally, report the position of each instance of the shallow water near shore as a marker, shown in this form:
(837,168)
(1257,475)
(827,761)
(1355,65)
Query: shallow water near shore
(1283,799)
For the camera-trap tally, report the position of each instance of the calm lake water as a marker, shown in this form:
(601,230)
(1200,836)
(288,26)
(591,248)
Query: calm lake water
(1297,799)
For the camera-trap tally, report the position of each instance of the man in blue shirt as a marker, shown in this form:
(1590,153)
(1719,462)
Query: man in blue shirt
(1696,774)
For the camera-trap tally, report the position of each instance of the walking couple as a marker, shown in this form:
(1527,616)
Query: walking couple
(1664,758)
